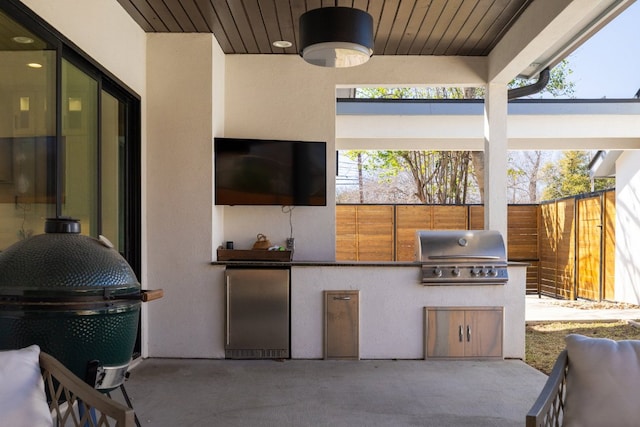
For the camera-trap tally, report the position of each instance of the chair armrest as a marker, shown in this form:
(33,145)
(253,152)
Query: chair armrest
(65,390)
(548,409)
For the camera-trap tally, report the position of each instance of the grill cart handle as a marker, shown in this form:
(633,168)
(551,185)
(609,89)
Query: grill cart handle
(150,295)
(145,295)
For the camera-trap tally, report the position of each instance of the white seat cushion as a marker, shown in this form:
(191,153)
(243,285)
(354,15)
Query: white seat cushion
(603,383)
(23,402)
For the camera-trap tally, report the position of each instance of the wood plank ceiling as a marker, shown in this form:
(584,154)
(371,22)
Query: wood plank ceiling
(402,27)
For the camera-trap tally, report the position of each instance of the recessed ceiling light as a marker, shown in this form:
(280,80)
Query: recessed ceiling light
(34,65)
(282,43)
(22,39)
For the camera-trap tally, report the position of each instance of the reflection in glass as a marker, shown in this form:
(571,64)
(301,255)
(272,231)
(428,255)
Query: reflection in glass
(80,147)
(27,132)
(112,164)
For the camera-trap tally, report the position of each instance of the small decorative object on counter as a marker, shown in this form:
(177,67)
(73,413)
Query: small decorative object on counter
(262,242)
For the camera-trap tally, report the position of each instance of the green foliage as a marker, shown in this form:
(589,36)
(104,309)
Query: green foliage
(570,176)
(419,93)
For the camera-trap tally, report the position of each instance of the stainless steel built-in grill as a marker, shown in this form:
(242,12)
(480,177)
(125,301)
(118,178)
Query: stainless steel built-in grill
(462,257)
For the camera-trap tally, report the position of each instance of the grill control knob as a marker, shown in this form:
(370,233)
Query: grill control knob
(437,272)
(475,271)
(493,272)
(485,272)
(455,272)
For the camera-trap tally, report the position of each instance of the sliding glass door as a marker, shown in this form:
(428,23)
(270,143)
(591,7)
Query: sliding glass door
(79,148)
(69,139)
(27,131)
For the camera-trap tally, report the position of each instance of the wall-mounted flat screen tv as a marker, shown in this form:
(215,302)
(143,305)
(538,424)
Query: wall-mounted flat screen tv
(270,172)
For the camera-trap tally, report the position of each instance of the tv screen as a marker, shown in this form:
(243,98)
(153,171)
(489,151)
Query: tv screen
(270,172)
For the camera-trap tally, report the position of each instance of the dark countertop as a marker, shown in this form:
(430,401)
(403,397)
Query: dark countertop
(318,263)
(332,263)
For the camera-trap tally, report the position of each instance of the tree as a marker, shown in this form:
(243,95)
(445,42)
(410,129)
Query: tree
(570,176)
(523,175)
(438,176)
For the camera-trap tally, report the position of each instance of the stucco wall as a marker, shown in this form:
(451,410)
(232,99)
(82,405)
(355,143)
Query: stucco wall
(181,76)
(102,29)
(627,275)
(392,302)
(277,102)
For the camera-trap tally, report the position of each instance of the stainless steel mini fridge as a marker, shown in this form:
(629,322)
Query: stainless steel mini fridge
(257,313)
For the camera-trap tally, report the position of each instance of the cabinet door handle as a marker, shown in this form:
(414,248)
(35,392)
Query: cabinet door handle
(468,333)
(460,333)
(228,330)
(342,298)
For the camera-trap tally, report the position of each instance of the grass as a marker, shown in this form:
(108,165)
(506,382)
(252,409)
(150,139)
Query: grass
(544,341)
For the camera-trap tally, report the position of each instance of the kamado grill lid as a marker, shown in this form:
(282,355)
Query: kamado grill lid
(62,263)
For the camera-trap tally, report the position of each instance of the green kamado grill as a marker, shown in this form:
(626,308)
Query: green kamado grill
(76,297)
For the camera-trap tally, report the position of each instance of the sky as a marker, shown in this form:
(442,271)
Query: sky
(608,64)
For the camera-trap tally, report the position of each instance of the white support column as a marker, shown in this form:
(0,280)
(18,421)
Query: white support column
(495,158)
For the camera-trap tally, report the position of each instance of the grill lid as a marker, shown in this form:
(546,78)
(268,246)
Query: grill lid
(64,264)
(462,256)
(436,246)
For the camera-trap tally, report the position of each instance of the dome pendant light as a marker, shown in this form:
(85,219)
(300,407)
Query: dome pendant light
(336,37)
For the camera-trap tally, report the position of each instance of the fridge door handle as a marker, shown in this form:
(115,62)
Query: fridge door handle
(228,310)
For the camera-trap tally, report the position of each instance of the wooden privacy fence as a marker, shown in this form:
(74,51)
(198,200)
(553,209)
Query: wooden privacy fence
(545,236)
(577,247)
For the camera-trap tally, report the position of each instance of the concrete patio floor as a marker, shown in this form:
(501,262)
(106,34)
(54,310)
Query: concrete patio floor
(183,392)
(174,392)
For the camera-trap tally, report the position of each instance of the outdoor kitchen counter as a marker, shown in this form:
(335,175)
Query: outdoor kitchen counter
(392,300)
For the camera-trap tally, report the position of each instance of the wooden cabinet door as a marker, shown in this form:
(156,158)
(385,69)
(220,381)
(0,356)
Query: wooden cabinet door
(342,325)
(445,333)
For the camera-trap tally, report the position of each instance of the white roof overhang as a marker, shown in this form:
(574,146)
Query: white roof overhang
(459,125)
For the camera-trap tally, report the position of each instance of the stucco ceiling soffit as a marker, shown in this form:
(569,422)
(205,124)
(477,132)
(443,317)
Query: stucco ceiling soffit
(547,32)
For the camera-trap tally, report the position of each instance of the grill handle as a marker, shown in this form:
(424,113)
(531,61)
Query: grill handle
(464,257)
